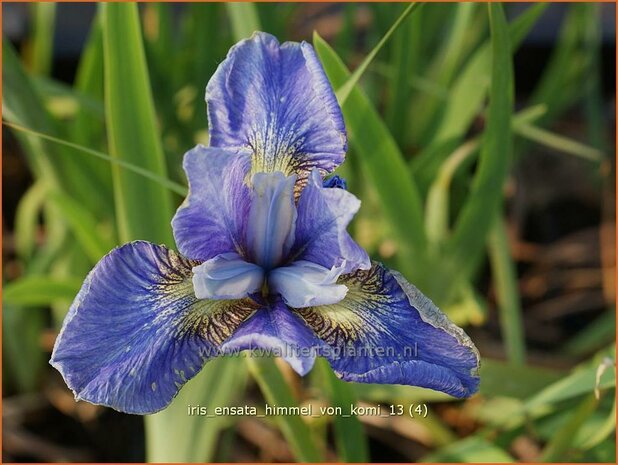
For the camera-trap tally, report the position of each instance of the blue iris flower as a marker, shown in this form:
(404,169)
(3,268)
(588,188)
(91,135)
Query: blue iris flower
(265,261)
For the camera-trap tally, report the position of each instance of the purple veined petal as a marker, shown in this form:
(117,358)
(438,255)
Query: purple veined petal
(272,218)
(386,331)
(136,333)
(277,331)
(276,100)
(212,219)
(227,276)
(306,284)
(321,227)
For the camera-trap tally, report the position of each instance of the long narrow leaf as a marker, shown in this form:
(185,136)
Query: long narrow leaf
(176,435)
(350,439)
(509,304)
(84,226)
(483,201)
(40,290)
(143,209)
(382,161)
(470,88)
(244,19)
(277,392)
(42,37)
(162,181)
(344,90)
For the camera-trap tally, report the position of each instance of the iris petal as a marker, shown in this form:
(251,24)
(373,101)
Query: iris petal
(272,218)
(321,234)
(227,276)
(212,219)
(386,331)
(306,284)
(276,101)
(136,333)
(280,332)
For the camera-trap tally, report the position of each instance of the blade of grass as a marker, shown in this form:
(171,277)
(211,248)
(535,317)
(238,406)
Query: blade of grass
(193,438)
(568,70)
(441,71)
(201,41)
(351,442)
(85,129)
(277,392)
(132,129)
(560,445)
(479,210)
(471,449)
(243,18)
(404,62)
(22,105)
(58,94)
(602,433)
(469,90)
(343,91)
(592,337)
(27,219)
(427,165)
(138,170)
(383,164)
(437,209)
(84,226)
(509,304)
(21,345)
(580,381)
(42,44)
(40,290)
(559,143)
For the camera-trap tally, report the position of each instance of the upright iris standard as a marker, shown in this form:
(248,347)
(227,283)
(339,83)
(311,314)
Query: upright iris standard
(265,260)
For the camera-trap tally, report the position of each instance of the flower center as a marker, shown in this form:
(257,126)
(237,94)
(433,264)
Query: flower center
(272,219)
(269,237)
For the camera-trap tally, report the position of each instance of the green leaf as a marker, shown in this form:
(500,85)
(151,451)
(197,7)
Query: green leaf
(277,392)
(382,162)
(175,436)
(485,198)
(503,379)
(404,62)
(568,69)
(244,19)
(604,431)
(143,209)
(469,90)
(42,37)
(559,143)
(160,180)
(509,303)
(87,128)
(592,337)
(344,90)
(27,218)
(472,449)
(351,442)
(64,102)
(40,290)
(580,381)
(561,442)
(21,345)
(426,108)
(22,105)
(84,226)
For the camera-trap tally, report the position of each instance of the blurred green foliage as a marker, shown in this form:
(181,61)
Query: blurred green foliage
(106,154)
